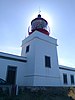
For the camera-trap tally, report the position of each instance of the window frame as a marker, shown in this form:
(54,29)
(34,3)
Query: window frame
(65,81)
(27,48)
(47,61)
(72,77)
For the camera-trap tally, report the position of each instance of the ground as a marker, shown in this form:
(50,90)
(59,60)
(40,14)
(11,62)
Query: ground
(44,93)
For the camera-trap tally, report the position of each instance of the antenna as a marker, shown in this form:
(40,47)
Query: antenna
(39,10)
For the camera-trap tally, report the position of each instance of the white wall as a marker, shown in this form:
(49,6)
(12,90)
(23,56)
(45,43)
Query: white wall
(29,70)
(69,73)
(41,45)
(46,76)
(33,72)
(4,63)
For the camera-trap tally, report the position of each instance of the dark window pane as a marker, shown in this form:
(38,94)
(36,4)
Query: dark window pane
(72,79)
(65,78)
(27,49)
(47,61)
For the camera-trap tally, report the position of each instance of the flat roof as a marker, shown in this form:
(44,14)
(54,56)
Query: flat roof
(12,57)
(66,68)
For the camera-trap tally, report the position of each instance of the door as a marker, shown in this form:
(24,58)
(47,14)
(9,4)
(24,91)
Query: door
(11,75)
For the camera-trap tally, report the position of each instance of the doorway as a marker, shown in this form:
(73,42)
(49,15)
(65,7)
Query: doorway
(11,75)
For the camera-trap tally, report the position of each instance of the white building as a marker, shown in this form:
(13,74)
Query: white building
(38,63)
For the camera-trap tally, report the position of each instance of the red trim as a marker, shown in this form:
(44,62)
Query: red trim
(40,30)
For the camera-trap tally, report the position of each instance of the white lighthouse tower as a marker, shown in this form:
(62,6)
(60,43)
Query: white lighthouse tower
(41,51)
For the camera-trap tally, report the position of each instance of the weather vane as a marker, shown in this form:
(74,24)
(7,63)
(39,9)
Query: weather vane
(39,10)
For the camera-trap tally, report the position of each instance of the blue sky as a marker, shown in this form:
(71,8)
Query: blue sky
(16,15)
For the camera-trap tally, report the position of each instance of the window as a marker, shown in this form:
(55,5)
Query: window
(27,49)
(47,62)
(65,78)
(72,79)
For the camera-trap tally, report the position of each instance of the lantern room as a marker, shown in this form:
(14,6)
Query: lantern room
(39,24)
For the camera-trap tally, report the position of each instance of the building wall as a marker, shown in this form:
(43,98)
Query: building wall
(29,70)
(4,63)
(41,45)
(34,72)
(38,78)
(43,75)
(68,71)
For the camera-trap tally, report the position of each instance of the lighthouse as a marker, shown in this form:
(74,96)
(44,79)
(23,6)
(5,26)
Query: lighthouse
(39,24)
(41,51)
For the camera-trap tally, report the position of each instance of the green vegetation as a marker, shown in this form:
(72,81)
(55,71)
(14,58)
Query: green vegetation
(46,94)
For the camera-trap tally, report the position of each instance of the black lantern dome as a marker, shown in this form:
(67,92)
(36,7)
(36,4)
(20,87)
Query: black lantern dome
(39,24)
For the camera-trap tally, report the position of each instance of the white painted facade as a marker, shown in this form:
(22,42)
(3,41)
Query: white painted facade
(30,68)
(41,45)
(12,61)
(68,71)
